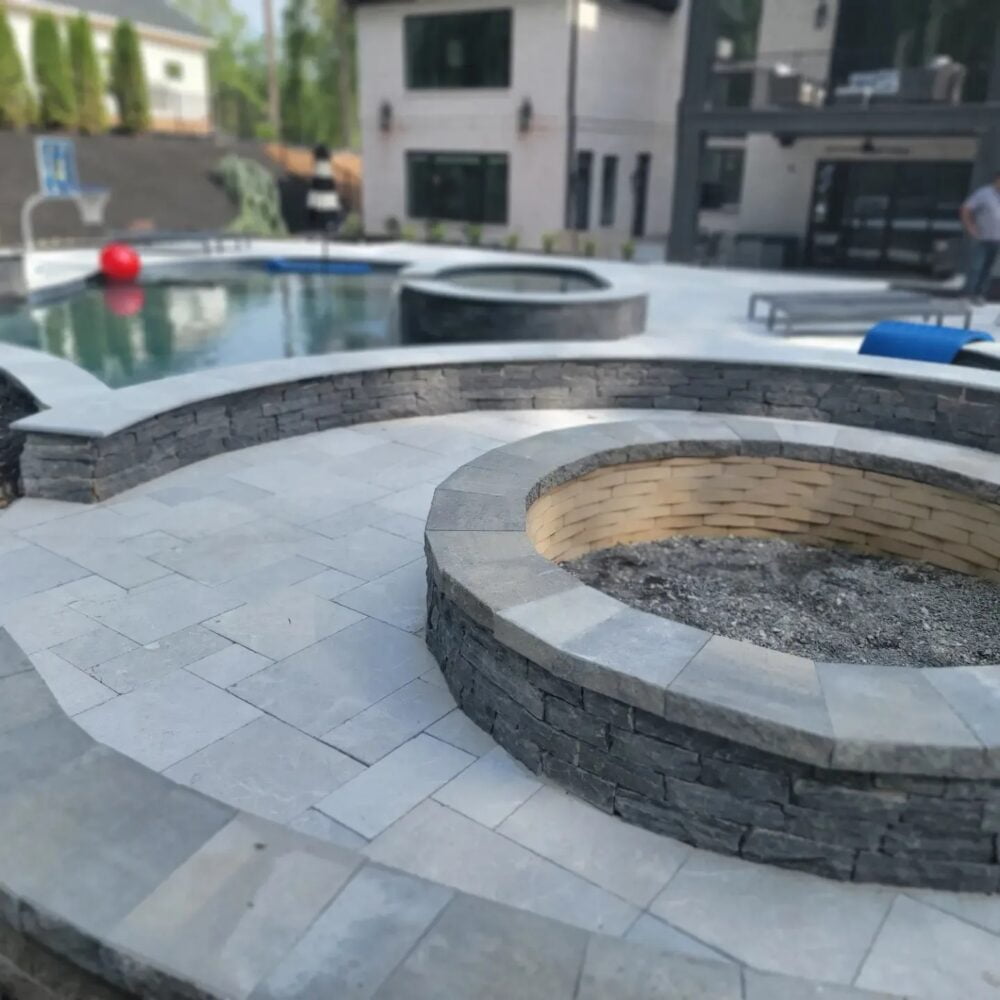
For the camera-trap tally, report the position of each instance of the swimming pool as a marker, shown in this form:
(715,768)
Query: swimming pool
(176,322)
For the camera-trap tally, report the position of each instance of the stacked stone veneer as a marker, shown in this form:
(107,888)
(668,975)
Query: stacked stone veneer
(89,467)
(14,404)
(713,792)
(811,502)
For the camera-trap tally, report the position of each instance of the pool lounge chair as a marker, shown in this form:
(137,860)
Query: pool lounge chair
(794,309)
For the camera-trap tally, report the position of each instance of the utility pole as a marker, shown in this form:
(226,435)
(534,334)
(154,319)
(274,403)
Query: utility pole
(273,103)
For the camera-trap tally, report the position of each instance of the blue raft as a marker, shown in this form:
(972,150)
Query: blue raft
(919,341)
(288,265)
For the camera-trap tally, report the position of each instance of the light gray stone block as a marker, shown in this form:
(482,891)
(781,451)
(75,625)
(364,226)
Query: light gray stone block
(399,598)
(921,951)
(167,720)
(323,686)
(164,607)
(651,932)
(388,790)
(267,768)
(773,919)
(94,647)
(75,690)
(771,700)
(441,845)
(633,863)
(630,972)
(359,939)
(230,664)
(283,623)
(479,949)
(117,833)
(313,823)
(368,553)
(767,986)
(460,731)
(237,905)
(400,716)
(895,720)
(490,789)
(29,569)
(155,660)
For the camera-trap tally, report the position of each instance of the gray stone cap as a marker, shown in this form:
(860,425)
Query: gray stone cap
(106,412)
(167,894)
(51,381)
(856,717)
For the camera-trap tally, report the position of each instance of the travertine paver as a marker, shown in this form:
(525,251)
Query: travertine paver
(187,695)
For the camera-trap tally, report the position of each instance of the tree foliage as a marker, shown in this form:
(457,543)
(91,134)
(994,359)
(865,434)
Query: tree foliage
(16,105)
(236,66)
(86,75)
(56,106)
(128,78)
(298,99)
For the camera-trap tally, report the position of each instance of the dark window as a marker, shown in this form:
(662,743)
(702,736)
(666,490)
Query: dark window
(609,189)
(458,50)
(581,189)
(723,178)
(457,187)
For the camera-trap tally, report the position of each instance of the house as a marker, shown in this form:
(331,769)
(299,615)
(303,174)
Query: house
(174,51)
(524,116)
(824,133)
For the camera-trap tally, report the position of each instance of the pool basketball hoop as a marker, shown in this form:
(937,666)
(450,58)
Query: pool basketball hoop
(55,162)
(91,202)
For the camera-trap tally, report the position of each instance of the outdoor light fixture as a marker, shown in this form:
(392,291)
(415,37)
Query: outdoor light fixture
(867,146)
(385,116)
(785,139)
(525,113)
(822,14)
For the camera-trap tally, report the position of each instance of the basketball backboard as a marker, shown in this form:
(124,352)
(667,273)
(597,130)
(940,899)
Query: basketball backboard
(55,159)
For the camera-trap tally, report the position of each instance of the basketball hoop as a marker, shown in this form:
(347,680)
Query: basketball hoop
(91,203)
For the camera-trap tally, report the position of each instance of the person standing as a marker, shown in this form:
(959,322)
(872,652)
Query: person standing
(323,202)
(980,214)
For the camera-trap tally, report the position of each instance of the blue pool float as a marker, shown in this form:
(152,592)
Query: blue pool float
(288,266)
(919,341)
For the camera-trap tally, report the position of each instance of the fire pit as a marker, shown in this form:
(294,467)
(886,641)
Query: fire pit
(849,770)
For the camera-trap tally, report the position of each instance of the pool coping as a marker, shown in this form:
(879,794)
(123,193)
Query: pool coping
(482,559)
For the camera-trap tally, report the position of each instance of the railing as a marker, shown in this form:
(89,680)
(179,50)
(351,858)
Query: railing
(841,78)
(181,110)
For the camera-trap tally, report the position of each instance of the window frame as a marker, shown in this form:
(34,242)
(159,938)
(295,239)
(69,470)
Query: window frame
(410,75)
(481,217)
(609,190)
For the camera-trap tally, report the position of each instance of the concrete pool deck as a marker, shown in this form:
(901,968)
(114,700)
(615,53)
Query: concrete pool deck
(250,626)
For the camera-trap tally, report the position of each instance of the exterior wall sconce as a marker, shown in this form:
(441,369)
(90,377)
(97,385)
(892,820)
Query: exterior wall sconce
(867,146)
(525,115)
(822,14)
(385,116)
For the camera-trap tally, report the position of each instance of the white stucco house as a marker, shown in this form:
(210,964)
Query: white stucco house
(824,133)
(174,50)
(478,111)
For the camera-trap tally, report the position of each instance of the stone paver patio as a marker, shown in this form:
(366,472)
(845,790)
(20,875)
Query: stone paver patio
(251,626)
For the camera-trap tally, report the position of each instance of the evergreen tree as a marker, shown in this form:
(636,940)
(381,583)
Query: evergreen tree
(296,106)
(86,73)
(56,106)
(128,79)
(15,99)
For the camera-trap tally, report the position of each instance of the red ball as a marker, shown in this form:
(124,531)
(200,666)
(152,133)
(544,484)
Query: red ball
(120,262)
(124,300)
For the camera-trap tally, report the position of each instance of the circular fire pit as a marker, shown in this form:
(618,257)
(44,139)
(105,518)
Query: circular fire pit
(852,771)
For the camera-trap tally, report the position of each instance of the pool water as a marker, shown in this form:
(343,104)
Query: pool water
(523,279)
(136,333)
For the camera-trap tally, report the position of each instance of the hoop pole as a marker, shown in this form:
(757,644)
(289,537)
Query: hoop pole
(27,233)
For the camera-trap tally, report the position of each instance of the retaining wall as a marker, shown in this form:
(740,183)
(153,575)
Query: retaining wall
(62,462)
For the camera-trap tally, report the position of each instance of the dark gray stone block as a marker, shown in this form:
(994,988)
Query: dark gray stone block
(791,851)
(744,782)
(715,835)
(958,876)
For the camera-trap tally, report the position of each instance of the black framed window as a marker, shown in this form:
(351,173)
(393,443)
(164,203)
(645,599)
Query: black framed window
(722,182)
(458,50)
(457,187)
(581,189)
(609,189)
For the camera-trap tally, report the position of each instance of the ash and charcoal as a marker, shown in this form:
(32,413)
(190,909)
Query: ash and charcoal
(828,604)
